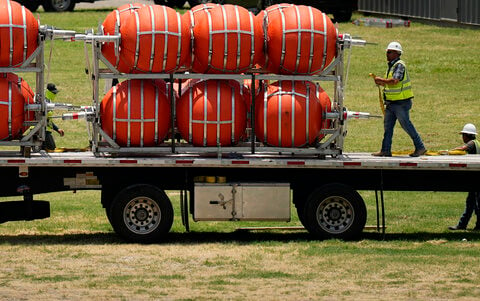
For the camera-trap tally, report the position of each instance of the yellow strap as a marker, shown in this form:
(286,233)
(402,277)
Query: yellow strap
(433,153)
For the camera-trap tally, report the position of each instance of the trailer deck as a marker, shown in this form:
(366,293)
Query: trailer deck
(344,161)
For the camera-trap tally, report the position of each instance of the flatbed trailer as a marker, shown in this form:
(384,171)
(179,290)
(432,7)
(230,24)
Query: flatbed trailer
(227,187)
(250,180)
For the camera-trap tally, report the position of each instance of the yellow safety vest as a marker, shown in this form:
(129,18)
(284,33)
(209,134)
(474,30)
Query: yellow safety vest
(49,121)
(402,90)
(477,146)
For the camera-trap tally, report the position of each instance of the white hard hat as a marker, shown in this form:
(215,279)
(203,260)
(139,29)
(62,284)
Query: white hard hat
(469,129)
(395,46)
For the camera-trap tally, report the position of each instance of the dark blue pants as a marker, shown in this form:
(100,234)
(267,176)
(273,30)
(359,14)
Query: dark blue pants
(399,110)
(471,205)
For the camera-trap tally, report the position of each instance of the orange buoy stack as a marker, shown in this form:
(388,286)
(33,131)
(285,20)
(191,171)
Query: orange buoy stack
(289,114)
(18,34)
(153,40)
(111,26)
(12,103)
(226,39)
(299,40)
(212,113)
(190,18)
(136,113)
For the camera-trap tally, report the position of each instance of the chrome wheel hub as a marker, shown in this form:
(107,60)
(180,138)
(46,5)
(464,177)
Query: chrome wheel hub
(142,215)
(335,214)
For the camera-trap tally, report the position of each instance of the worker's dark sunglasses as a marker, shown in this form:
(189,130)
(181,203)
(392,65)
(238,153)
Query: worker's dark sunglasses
(390,51)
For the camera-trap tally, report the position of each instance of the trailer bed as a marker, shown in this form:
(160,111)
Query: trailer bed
(344,161)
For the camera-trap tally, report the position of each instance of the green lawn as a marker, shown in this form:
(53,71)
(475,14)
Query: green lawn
(75,254)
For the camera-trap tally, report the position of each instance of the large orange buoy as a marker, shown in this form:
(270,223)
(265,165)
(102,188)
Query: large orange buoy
(153,40)
(212,113)
(288,114)
(327,107)
(299,40)
(226,39)
(111,26)
(189,19)
(18,34)
(12,104)
(136,113)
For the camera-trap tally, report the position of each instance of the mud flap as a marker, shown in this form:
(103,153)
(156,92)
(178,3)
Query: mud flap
(23,211)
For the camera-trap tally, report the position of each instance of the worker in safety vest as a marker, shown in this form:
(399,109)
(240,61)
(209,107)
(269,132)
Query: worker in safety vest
(397,95)
(472,203)
(49,143)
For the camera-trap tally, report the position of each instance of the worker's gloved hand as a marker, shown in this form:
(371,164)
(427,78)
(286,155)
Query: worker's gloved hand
(61,132)
(379,80)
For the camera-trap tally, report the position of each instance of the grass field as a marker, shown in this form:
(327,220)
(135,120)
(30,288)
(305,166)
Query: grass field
(75,255)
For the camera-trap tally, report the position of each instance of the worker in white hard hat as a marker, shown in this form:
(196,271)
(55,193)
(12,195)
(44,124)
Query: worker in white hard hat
(397,96)
(472,203)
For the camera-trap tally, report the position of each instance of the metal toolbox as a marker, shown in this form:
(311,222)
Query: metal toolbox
(241,201)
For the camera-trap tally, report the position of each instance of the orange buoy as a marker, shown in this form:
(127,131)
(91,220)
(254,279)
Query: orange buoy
(327,107)
(111,26)
(189,19)
(136,113)
(18,34)
(299,40)
(153,40)
(226,39)
(288,114)
(28,98)
(12,104)
(212,113)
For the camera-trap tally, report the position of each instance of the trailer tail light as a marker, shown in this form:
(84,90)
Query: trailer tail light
(23,171)
(457,165)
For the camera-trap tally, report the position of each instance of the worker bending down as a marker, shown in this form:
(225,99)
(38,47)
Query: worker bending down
(472,203)
(398,96)
(49,143)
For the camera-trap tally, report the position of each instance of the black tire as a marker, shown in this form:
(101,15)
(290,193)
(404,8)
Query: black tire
(141,214)
(300,196)
(335,211)
(342,16)
(198,2)
(59,5)
(170,3)
(31,5)
(267,3)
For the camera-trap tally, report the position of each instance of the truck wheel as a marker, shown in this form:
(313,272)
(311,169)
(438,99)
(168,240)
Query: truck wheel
(31,5)
(141,214)
(267,3)
(198,2)
(170,3)
(342,16)
(58,5)
(300,197)
(335,211)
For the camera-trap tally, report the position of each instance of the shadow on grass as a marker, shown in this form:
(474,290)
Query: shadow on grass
(236,237)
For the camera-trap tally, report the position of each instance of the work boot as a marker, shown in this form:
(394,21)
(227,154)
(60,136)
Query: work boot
(457,227)
(418,152)
(477,228)
(382,154)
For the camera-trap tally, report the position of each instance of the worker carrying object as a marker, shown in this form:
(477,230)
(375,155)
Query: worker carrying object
(49,143)
(472,203)
(398,96)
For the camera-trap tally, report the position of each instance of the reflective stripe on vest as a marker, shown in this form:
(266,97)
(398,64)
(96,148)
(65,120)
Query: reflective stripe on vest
(402,90)
(477,146)
(49,121)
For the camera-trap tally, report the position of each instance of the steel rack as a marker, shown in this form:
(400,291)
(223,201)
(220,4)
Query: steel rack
(332,143)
